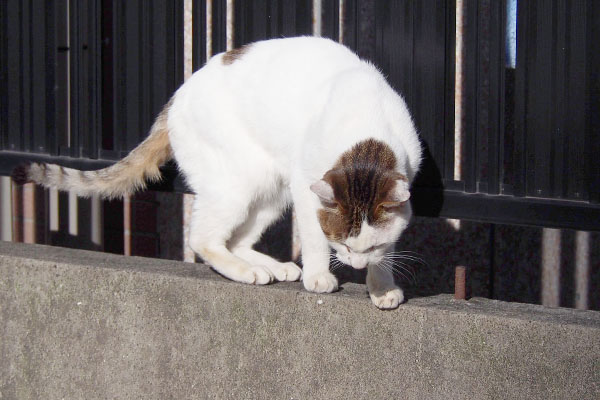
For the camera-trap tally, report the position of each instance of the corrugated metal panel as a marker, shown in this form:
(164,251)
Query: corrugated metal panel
(531,134)
(28,75)
(147,67)
(258,20)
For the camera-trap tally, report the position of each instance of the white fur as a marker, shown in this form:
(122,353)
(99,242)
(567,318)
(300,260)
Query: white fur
(252,137)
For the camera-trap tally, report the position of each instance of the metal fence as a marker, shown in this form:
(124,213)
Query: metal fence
(527,143)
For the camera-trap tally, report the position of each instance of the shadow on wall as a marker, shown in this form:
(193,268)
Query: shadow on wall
(560,267)
(504,262)
(439,247)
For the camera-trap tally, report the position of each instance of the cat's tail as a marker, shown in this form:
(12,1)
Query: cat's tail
(131,173)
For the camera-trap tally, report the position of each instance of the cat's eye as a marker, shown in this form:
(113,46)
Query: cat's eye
(373,248)
(347,248)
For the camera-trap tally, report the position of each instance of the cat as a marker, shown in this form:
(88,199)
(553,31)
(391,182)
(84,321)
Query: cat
(294,121)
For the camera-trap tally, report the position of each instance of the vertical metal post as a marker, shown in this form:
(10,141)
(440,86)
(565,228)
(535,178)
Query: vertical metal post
(551,254)
(194,8)
(188,202)
(53,210)
(582,270)
(230,25)
(23,213)
(317,17)
(73,214)
(96,225)
(460,283)
(458,91)
(127,226)
(5,209)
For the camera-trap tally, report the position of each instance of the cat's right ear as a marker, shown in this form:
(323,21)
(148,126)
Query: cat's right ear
(324,191)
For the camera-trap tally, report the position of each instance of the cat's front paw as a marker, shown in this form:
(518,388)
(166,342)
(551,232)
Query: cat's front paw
(288,271)
(256,276)
(388,300)
(322,282)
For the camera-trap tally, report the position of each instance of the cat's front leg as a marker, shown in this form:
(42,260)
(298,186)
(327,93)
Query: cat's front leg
(316,275)
(315,261)
(383,291)
(315,248)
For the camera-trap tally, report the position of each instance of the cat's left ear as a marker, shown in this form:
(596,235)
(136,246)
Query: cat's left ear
(398,196)
(324,191)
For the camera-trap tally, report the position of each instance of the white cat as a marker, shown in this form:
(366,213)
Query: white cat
(299,121)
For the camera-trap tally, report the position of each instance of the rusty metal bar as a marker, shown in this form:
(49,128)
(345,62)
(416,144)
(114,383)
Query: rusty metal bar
(460,283)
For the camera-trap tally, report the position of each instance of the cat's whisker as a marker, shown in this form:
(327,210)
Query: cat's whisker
(405,252)
(394,271)
(336,265)
(407,257)
(334,262)
(403,260)
(409,260)
(400,266)
(408,264)
(403,264)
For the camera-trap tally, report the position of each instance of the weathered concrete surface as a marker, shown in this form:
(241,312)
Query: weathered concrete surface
(85,325)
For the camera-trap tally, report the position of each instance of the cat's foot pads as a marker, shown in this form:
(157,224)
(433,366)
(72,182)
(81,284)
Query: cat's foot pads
(389,300)
(288,271)
(323,282)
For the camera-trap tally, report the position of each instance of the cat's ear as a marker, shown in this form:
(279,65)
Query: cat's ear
(324,191)
(398,196)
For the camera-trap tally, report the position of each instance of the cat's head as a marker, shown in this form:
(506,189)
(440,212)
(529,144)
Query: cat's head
(365,205)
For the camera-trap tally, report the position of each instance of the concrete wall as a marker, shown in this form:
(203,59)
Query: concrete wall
(85,325)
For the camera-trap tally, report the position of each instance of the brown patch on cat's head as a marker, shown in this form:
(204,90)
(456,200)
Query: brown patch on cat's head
(363,181)
(236,54)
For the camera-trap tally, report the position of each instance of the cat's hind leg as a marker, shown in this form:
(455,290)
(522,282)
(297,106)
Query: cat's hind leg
(260,216)
(211,228)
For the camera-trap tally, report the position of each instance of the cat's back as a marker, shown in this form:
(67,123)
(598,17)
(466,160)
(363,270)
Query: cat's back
(299,55)
(278,86)
(296,67)
(286,97)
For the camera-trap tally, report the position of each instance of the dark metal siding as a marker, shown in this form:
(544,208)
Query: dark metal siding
(414,45)
(127,69)
(28,78)
(147,67)
(553,82)
(531,134)
(264,19)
